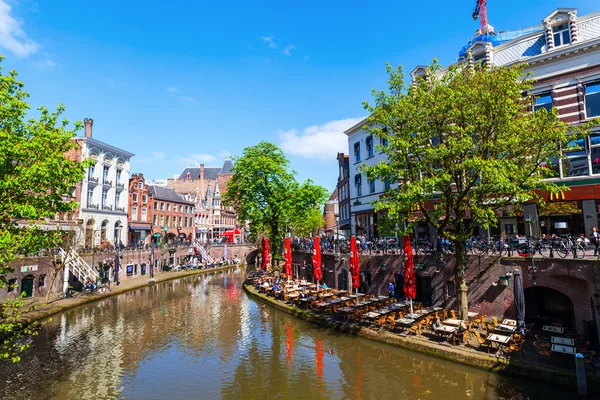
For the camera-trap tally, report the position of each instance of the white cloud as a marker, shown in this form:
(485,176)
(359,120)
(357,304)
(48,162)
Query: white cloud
(189,99)
(12,36)
(172,89)
(43,64)
(158,155)
(319,141)
(288,49)
(269,41)
(193,159)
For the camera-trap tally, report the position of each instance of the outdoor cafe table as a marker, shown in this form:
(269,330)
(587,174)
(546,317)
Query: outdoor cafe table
(500,340)
(360,304)
(345,310)
(293,295)
(511,322)
(446,329)
(451,321)
(323,304)
(412,316)
(327,295)
(553,329)
(372,315)
(559,348)
(506,328)
(472,314)
(405,321)
(563,341)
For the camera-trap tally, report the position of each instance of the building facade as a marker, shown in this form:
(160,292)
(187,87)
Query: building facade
(140,211)
(207,185)
(331,212)
(343,190)
(364,150)
(104,191)
(171,214)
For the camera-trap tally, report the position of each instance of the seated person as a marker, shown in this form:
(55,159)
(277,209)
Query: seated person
(462,327)
(582,240)
(324,286)
(435,325)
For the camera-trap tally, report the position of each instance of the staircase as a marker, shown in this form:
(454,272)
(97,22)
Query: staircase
(206,258)
(78,266)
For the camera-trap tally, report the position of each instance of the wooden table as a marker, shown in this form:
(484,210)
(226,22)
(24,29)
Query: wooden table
(293,295)
(553,329)
(559,348)
(451,321)
(405,321)
(511,322)
(563,341)
(446,329)
(472,314)
(412,316)
(500,340)
(372,315)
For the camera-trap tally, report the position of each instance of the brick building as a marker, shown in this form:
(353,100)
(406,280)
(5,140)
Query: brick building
(139,214)
(207,185)
(331,211)
(171,214)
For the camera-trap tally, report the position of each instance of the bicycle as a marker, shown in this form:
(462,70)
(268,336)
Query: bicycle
(566,246)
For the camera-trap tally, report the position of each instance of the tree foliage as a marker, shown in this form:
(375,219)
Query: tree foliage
(36,179)
(462,143)
(265,192)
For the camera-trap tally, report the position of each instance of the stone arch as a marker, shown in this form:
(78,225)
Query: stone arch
(550,305)
(104,231)
(117,231)
(89,232)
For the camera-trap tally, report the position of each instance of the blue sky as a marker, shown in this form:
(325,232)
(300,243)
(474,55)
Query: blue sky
(185,82)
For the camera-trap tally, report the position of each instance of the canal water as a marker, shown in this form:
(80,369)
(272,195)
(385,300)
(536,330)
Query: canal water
(202,338)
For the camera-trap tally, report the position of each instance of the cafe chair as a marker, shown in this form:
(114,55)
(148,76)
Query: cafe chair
(453,314)
(516,345)
(480,321)
(459,337)
(482,341)
(495,321)
(541,351)
(416,328)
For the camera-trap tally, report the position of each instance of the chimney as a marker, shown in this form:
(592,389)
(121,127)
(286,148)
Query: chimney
(88,122)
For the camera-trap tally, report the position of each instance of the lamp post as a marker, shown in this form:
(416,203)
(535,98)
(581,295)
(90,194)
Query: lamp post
(528,220)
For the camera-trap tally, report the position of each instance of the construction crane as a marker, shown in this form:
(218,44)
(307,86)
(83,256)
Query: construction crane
(481,14)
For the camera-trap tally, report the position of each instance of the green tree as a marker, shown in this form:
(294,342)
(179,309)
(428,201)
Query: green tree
(461,144)
(36,179)
(265,192)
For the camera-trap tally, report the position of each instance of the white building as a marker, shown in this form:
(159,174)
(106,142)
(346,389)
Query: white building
(104,190)
(362,147)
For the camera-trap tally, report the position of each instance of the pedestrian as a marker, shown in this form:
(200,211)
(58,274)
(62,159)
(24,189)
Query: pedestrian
(595,239)
(391,290)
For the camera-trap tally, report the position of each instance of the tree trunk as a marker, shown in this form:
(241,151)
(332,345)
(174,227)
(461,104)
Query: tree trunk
(54,275)
(459,276)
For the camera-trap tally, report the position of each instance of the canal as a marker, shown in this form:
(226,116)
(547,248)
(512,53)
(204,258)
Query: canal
(202,338)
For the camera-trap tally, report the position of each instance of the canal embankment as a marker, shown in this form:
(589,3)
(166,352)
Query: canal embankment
(58,303)
(462,355)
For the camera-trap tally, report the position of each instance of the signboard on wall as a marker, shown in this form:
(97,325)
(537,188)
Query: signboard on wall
(29,268)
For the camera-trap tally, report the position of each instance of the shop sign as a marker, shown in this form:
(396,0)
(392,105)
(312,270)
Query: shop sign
(29,268)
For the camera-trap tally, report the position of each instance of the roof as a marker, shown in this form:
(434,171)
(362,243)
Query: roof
(357,127)
(164,193)
(105,146)
(209,172)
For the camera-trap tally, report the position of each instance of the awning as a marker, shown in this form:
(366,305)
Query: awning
(139,227)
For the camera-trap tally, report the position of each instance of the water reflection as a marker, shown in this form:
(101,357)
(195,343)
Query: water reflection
(202,337)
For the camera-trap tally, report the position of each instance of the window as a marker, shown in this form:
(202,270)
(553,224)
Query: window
(185,222)
(386,183)
(479,58)
(383,142)
(370,149)
(118,176)
(104,197)
(162,206)
(91,171)
(575,162)
(168,206)
(179,221)
(42,281)
(105,173)
(144,214)
(357,151)
(162,220)
(562,34)
(12,283)
(90,197)
(140,185)
(117,199)
(450,289)
(144,198)
(175,208)
(592,100)
(595,152)
(168,220)
(155,205)
(155,220)
(371,185)
(358,184)
(544,100)
(134,197)
(134,213)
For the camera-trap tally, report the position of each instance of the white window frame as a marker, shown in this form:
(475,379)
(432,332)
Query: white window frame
(560,33)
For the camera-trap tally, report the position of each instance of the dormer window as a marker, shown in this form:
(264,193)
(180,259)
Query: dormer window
(561,34)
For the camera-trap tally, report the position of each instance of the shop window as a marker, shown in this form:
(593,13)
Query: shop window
(42,281)
(592,100)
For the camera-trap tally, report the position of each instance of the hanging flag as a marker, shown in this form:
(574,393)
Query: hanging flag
(318,272)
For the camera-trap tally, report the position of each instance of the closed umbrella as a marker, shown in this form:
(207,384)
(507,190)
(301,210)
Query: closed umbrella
(354,265)
(318,272)
(288,257)
(519,303)
(410,286)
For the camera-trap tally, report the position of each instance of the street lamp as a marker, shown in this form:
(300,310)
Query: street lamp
(528,220)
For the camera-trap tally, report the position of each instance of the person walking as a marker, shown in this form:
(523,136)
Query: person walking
(595,239)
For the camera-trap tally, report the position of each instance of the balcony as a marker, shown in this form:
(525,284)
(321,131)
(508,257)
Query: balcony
(106,182)
(93,180)
(120,186)
(122,209)
(108,208)
(93,206)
